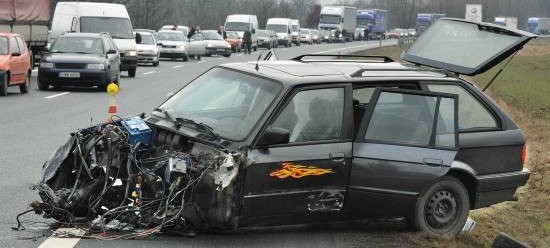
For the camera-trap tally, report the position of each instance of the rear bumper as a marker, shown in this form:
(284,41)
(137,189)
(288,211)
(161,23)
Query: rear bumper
(87,77)
(496,188)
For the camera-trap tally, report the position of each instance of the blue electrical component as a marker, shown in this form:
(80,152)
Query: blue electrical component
(138,131)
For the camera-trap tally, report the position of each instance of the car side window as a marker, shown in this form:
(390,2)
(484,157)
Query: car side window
(112,43)
(21,44)
(471,113)
(313,115)
(13,45)
(413,120)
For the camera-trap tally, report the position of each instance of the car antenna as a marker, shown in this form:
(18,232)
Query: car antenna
(258,61)
(499,72)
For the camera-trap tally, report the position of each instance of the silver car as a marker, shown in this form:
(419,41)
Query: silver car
(173,44)
(148,50)
(305,36)
(208,43)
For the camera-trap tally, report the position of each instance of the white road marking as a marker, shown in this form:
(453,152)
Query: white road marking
(346,48)
(202,61)
(239,55)
(149,72)
(56,95)
(221,58)
(57,240)
(177,66)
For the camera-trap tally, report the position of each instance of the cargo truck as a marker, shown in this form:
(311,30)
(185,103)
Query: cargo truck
(29,18)
(425,20)
(375,20)
(538,25)
(508,22)
(342,18)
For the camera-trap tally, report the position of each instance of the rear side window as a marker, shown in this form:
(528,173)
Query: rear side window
(471,113)
(13,45)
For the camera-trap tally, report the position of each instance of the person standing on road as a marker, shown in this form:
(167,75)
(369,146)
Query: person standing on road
(247,41)
(366,31)
(192,31)
(222,33)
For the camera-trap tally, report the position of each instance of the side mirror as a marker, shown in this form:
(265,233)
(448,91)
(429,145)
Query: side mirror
(138,38)
(111,51)
(274,136)
(16,54)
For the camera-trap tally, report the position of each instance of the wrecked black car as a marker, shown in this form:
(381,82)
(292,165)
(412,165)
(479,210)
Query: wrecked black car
(317,138)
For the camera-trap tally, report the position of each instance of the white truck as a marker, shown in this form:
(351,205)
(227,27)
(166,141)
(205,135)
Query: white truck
(109,18)
(241,23)
(295,31)
(282,27)
(342,18)
(538,25)
(507,21)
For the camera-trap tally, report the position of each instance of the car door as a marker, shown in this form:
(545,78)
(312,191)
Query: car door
(308,175)
(407,140)
(17,73)
(465,47)
(197,45)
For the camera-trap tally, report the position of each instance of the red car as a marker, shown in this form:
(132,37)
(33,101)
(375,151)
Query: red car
(15,63)
(234,40)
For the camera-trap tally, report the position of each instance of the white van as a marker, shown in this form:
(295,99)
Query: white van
(295,31)
(282,27)
(241,23)
(97,18)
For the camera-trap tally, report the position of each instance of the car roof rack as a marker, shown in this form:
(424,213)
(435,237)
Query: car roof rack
(359,73)
(343,57)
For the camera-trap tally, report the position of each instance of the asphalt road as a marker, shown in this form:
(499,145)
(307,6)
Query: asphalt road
(33,125)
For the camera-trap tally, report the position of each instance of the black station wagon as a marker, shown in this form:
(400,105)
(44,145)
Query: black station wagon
(322,138)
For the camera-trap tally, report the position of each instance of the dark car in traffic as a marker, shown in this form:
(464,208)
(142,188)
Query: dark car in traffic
(267,38)
(80,59)
(314,139)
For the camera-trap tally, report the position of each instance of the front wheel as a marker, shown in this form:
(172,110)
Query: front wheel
(4,85)
(132,72)
(43,85)
(443,208)
(227,55)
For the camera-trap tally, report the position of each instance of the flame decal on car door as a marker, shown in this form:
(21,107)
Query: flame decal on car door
(298,171)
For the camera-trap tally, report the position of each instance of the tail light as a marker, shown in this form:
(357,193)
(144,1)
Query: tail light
(524,155)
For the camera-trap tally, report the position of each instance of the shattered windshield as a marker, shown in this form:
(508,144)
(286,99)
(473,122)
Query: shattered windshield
(231,103)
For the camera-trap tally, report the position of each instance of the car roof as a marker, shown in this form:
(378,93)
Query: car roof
(170,31)
(86,35)
(292,72)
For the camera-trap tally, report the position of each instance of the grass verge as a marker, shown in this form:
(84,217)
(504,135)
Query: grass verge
(523,91)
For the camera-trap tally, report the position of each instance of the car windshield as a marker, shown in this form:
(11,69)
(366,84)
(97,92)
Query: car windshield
(278,28)
(4,45)
(211,35)
(232,35)
(170,36)
(303,31)
(78,45)
(237,26)
(263,33)
(330,19)
(294,28)
(147,39)
(229,102)
(118,28)
(363,23)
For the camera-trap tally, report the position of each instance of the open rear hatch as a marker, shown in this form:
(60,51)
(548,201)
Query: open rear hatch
(465,47)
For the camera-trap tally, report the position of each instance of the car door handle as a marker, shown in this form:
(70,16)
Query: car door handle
(432,161)
(337,156)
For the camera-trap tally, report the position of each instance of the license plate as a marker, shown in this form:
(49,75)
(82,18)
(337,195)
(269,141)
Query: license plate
(69,74)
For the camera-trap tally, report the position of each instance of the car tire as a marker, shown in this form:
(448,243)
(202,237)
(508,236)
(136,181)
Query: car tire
(132,72)
(443,208)
(43,85)
(4,85)
(227,55)
(155,64)
(24,88)
(185,57)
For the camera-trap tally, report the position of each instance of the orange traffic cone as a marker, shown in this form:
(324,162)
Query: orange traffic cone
(112,90)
